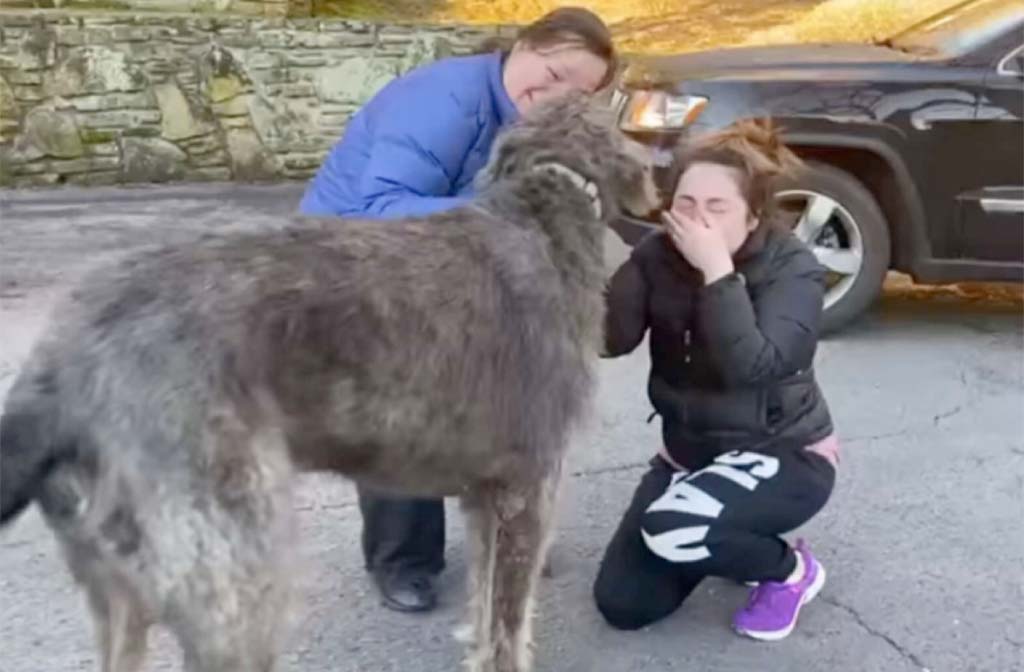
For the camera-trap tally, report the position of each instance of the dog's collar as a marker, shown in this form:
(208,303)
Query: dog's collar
(578,181)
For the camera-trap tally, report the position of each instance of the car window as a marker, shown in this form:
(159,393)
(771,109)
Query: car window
(1013,63)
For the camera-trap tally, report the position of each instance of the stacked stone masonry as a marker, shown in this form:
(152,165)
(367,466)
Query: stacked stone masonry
(106,99)
(266,8)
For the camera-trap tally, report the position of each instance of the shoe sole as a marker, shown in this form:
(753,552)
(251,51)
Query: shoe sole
(776,635)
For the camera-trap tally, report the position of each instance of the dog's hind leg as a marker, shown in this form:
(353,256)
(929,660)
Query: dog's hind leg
(121,626)
(525,520)
(228,607)
(102,558)
(228,614)
(481,534)
(245,641)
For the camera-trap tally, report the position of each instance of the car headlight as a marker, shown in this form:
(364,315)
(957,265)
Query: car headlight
(654,111)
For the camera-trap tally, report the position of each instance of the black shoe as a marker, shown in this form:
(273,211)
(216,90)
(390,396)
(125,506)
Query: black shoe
(407,591)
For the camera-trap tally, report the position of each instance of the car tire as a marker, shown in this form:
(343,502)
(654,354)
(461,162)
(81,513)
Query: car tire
(858,221)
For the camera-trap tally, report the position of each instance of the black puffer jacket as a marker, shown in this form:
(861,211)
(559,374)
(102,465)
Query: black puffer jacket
(732,361)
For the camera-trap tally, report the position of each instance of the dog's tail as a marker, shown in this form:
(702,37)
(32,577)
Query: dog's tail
(29,445)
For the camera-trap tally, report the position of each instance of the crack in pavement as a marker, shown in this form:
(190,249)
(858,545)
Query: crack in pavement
(314,506)
(609,470)
(15,544)
(907,655)
(936,419)
(948,414)
(875,437)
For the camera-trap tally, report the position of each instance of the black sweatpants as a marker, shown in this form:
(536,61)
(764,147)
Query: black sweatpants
(402,534)
(723,520)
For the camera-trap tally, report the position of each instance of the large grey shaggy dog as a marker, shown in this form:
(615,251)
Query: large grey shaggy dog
(159,421)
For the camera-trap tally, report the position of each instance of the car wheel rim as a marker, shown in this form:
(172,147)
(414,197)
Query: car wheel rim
(831,233)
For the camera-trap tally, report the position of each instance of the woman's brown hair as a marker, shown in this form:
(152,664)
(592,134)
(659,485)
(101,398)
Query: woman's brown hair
(754,149)
(566,26)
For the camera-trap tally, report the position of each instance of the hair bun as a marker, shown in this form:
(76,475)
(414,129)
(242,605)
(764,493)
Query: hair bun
(754,147)
(765,138)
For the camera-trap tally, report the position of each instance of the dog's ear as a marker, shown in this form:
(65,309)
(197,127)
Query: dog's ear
(600,115)
(569,110)
(574,123)
(505,157)
(634,174)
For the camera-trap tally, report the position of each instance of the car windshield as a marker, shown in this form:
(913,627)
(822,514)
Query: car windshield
(959,29)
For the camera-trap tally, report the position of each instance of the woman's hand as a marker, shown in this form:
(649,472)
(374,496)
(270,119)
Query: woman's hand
(701,245)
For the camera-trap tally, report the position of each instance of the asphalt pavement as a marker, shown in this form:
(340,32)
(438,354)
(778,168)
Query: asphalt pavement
(923,538)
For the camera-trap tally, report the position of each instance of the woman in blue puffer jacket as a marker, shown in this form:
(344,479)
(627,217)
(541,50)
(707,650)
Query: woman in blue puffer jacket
(416,146)
(414,149)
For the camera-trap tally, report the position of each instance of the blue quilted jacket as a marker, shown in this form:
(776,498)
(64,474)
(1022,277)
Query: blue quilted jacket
(415,147)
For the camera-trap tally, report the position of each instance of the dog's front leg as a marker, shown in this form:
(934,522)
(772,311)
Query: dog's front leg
(481,534)
(525,519)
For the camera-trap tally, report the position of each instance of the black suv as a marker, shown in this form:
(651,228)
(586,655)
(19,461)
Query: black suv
(915,143)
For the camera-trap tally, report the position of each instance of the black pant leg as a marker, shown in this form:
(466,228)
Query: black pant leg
(725,520)
(402,534)
(635,587)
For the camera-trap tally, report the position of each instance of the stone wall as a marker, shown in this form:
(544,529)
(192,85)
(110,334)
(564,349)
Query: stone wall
(265,8)
(104,99)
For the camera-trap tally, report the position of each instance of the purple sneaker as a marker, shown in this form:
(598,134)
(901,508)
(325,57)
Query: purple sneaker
(773,607)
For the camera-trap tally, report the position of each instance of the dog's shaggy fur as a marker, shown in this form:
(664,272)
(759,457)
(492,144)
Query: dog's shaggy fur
(159,421)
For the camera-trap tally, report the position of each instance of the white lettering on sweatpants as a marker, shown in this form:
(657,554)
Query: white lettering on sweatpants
(686,498)
(762,466)
(677,545)
(683,497)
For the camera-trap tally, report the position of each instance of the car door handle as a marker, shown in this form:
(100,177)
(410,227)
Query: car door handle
(1002,205)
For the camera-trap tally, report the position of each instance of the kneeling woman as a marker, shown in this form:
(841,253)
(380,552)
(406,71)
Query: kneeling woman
(732,301)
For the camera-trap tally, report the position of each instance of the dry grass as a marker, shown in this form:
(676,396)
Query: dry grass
(685,25)
(850,21)
(832,20)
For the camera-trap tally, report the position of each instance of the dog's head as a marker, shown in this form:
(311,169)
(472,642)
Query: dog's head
(580,140)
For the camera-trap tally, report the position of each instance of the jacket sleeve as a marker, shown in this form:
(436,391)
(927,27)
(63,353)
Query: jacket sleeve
(418,149)
(626,309)
(770,336)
